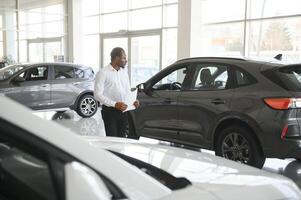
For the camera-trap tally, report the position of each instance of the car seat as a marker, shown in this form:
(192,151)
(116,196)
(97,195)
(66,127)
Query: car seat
(32,74)
(206,79)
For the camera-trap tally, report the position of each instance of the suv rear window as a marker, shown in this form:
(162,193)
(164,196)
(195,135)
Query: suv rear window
(287,77)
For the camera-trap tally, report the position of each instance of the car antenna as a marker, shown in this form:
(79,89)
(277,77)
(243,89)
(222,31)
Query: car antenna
(278,57)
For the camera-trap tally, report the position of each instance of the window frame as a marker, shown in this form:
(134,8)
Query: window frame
(229,84)
(81,71)
(252,79)
(167,71)
(61,66)
(37,66)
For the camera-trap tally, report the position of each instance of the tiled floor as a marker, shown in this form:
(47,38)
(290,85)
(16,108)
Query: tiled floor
(94,126)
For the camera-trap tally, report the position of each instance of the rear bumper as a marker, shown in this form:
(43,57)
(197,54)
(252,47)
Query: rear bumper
(294,148)
(287,148)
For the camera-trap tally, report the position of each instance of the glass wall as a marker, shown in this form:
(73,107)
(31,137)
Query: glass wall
(131,21)
(145,57)
(7,30)
(261,28)
(276,31)
(33,32)
(41,31)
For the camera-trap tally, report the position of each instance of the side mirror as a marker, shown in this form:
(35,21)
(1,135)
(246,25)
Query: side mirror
(141,87)
(84,183)
(19,79)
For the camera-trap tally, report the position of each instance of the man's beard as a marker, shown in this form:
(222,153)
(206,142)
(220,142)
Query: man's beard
(123,65)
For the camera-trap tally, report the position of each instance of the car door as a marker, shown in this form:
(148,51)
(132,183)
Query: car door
(31,87)
(207,98)
(65,86)
(157,115)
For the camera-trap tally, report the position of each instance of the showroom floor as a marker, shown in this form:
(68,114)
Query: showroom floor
(94,126)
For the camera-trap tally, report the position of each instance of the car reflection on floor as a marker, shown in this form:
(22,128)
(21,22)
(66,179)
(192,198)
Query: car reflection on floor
(94,126)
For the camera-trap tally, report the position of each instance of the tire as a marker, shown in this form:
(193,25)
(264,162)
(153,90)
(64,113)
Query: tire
(131,132)
(61,115)
(238,143)
(86,106)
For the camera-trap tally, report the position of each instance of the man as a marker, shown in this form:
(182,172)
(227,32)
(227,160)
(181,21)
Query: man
(112,85)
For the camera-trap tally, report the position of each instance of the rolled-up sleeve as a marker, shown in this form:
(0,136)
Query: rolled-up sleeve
(99,90)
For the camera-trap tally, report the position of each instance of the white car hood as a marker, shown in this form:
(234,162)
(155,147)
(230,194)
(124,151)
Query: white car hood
(218,177)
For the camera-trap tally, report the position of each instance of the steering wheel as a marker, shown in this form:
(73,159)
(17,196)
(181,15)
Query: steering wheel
(176,86)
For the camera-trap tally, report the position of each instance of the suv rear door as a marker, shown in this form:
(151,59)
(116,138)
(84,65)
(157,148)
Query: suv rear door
(65,86)
(208,96)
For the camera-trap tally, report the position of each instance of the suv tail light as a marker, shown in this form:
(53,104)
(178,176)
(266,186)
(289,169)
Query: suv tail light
(283,103)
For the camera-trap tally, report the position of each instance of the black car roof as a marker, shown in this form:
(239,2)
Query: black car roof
(205,58)
(260,63)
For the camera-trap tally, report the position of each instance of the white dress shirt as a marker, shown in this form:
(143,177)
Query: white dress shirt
(111,86)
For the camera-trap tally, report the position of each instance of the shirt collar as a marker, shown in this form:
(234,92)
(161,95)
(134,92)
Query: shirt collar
(113,69)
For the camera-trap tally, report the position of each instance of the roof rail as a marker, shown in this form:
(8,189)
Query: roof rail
(229,58)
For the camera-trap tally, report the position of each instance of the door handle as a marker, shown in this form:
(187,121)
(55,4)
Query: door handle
(168,100)
(75,83)
(218,101)
(44,85)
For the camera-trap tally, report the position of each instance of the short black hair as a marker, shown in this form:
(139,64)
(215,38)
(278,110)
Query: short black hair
(116,52)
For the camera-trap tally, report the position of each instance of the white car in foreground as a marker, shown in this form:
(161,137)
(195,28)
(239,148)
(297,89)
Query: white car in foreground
(42,160)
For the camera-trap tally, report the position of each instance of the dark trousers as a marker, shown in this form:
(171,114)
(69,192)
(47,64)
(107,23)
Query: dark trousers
(115,121)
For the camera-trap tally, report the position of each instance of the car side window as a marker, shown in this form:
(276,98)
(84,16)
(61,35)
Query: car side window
(172,81)
(63,72)
(210,77)
(84,74)
(243,78)
(79,73)
(89,73)
(35,74)
(24,176)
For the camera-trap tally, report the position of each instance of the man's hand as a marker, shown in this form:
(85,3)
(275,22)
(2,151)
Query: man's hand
(136,104)
(121,106)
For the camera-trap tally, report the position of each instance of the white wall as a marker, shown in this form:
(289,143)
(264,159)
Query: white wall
(73,42)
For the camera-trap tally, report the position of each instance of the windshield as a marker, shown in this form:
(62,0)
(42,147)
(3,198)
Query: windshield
(8,71)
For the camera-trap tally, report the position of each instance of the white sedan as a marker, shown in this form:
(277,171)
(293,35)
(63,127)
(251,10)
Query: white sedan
(42,160)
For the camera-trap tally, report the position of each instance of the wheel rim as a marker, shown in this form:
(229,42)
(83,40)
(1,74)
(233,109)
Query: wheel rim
(88,106)
(236,147)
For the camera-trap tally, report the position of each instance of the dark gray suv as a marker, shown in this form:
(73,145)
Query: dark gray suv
(244,110)
(50,86)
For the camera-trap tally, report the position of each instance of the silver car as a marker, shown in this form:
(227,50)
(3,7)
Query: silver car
(50,86)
